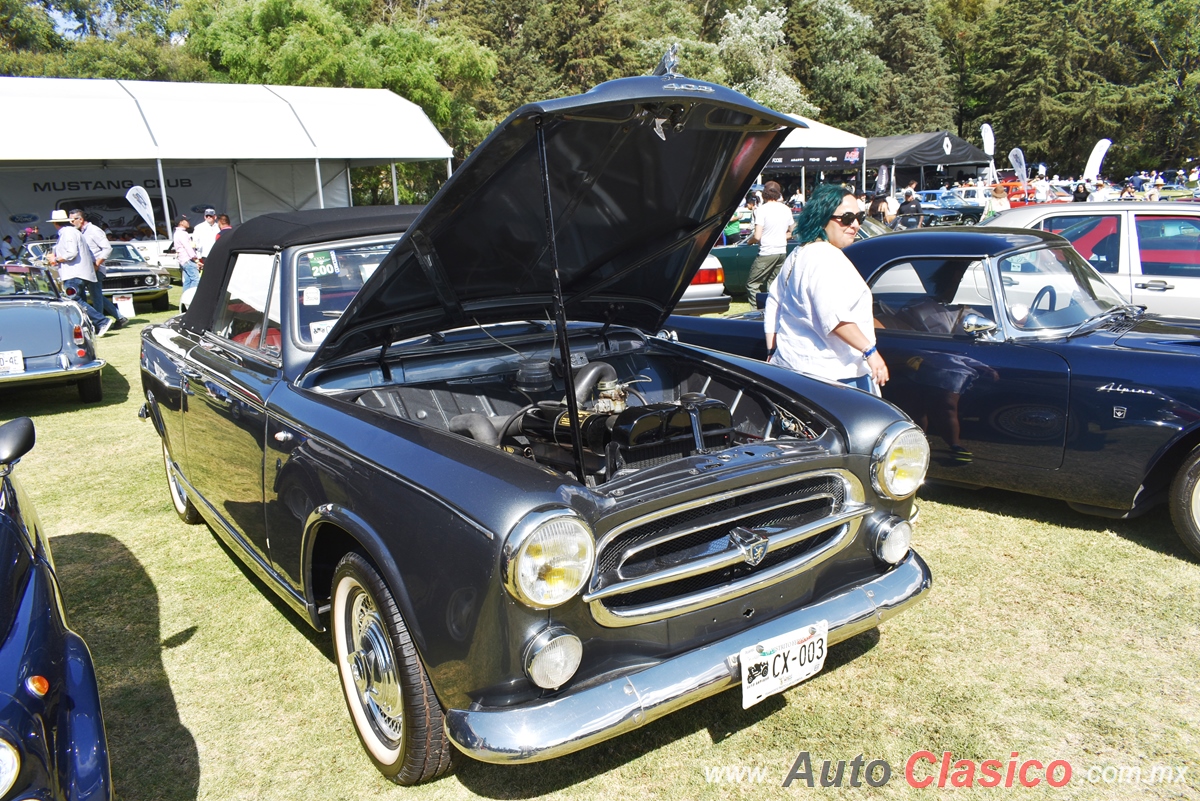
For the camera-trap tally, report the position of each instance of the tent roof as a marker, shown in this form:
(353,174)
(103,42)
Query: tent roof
(819,146)
(820,135)
(918,150)
(145,120)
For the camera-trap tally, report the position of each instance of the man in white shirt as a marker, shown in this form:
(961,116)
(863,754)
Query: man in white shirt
(204,235)
(773,225)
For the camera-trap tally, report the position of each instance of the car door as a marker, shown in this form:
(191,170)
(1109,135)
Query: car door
(1103,239)
(988,405)
(1167,263)
(230,376)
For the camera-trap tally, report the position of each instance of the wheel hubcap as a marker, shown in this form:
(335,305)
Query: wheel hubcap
(173,483)
(1196,504)
(373,668)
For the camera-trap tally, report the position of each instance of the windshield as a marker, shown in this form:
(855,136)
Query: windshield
(326,280)
(1053,288)
(129,253)
(25,280)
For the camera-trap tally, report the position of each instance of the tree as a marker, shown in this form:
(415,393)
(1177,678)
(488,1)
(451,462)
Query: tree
(916,95)
(1057,77)
(844,78)
(957,23)
(756,59)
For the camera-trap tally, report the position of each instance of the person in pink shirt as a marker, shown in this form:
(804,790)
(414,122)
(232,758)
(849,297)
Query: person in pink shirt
(185,254)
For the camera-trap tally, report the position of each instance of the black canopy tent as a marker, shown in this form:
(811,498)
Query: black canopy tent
(921,150)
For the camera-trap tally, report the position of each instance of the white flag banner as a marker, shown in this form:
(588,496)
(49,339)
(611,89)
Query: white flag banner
(139,198)
(1092,171)
(989,139)
(1017,159)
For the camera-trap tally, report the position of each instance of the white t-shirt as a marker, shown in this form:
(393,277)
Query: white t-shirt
(775,218)
(816,290)
(204,235)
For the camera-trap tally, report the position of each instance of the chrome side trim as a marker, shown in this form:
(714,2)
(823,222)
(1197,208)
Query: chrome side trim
(552,727)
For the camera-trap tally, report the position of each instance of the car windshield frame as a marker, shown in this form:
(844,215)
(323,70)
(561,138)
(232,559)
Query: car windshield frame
(1091,296)
(304,335)
(27,281)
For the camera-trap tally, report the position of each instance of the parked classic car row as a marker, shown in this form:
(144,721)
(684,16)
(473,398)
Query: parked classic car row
(127,273)
(529,522)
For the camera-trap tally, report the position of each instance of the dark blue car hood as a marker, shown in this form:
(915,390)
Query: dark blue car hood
(1164,335)
(643,175)
(15,564)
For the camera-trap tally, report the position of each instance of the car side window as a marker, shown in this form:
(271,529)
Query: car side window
(1097,237)
(1169,245)
(931,295)
(248,312)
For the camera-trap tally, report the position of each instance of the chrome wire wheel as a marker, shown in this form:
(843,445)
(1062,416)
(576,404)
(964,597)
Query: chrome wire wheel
(388,693)
(372,666)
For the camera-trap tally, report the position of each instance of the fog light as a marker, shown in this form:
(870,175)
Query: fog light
(552,658)
(10,765)
(893,538)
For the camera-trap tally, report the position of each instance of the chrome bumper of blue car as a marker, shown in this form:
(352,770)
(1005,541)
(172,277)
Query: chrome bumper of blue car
(71,373)
(558,726)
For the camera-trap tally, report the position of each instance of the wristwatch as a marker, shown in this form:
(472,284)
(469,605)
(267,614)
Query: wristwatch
(869,352)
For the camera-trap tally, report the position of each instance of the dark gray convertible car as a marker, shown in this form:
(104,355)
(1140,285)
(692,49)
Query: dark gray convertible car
(530,523)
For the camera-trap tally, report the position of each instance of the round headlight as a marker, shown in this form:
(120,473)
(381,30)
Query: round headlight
(10,765)
(899,461)
(552,658)
(548,558)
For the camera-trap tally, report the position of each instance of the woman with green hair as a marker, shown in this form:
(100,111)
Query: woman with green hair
(818,318)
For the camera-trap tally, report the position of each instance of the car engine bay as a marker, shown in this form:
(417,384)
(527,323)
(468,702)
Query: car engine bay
(638,405)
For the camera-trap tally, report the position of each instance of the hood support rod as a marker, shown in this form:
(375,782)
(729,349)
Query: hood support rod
(560,312)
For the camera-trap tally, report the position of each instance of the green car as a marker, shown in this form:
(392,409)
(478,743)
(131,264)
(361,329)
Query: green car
(737,258)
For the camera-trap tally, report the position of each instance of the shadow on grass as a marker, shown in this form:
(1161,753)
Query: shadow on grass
(721,716)
(1153,530)
(43,400)
(112,603)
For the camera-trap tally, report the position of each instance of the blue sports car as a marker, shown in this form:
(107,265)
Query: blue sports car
(52,743)
(1026,370)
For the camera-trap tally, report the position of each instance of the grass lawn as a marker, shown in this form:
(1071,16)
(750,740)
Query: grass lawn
(1047,633)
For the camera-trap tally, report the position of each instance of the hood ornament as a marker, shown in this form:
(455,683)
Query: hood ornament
(668,63)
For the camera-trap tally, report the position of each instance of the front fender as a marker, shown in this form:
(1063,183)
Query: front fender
(83,766)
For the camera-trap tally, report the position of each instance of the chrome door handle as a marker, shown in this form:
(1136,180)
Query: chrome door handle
(1155,286)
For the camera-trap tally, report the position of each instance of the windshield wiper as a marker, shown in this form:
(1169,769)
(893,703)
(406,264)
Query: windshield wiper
(1097,320)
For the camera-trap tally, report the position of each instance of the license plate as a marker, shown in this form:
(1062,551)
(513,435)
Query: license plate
(774,665)
(11,361)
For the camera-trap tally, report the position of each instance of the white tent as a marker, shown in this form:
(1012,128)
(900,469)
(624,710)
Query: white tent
(245,149)
(820,147)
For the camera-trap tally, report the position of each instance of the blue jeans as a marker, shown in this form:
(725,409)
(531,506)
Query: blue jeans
(101,302)
(78,291)
(862,382)
(191,274)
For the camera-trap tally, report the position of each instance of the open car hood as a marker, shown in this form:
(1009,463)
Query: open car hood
(643,175)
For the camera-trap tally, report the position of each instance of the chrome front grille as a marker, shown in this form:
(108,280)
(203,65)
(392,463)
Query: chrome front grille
(690,556)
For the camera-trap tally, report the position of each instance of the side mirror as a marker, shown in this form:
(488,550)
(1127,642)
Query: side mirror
(975,323)
(16,440)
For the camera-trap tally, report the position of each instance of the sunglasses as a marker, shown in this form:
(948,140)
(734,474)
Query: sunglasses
(847,218)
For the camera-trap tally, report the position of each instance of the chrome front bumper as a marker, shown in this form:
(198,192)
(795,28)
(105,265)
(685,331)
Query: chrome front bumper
(558,726)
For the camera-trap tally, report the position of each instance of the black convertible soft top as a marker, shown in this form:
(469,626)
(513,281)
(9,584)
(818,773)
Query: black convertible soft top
(279,230)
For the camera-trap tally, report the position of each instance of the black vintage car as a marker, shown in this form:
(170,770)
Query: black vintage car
(52,741)
(1028,371)
(530,523)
